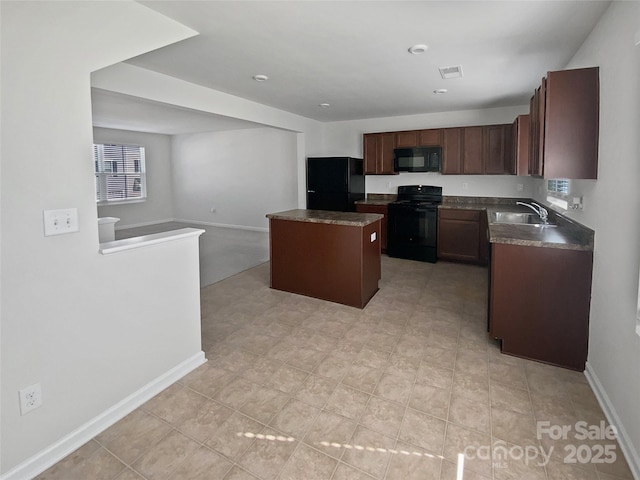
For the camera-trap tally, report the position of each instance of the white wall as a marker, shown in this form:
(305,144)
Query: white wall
(130,80)
(158,206)
(345,138)
(60,325)
(611,208)
(242,174)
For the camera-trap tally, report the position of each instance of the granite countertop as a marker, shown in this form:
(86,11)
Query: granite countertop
(378,199)
(567,234)
(351,219)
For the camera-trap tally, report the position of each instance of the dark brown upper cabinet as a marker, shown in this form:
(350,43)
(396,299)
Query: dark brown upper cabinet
(498,154)
(429,138)
(407,139)
(472,151)
(378,153)
(451,151)
(477,151)
(564,125)
(520,144)
(419,138)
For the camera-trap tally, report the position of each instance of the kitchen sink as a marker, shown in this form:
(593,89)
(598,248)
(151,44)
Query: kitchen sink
(518,218)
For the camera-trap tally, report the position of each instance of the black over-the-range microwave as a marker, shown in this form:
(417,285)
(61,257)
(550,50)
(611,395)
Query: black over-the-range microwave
(417,159)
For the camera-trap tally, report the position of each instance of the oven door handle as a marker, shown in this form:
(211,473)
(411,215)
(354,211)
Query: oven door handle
(426,210)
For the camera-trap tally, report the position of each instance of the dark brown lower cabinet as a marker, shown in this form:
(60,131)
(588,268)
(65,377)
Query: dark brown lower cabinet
(462,235)
(539,303)
(382,209)
(337,263)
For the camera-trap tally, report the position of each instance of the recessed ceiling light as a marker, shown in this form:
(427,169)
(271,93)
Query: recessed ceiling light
(324,105)
(440,91)
(418,49)
(260,78)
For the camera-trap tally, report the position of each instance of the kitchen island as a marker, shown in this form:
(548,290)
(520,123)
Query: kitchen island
(333,256)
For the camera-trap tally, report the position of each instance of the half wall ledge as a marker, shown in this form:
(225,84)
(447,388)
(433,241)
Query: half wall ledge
(126,244)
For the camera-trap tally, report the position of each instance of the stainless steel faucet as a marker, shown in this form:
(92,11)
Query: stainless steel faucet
(539,209)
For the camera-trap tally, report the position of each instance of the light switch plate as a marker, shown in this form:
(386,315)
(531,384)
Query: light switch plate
(57,222)
(374,235)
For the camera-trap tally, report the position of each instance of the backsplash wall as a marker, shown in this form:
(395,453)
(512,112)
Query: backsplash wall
(458,185)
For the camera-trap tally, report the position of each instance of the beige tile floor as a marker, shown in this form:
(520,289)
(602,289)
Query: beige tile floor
(223,251)
(298,388)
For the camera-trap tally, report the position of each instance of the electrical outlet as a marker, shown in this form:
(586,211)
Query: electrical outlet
(519,187)
(465,185)
(30,398)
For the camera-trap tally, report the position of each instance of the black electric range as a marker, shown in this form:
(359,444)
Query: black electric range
(412,223)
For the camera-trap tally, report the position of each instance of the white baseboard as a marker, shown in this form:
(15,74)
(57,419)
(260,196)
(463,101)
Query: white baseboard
(225,225)
(196,222)
(630,453)
(71,442)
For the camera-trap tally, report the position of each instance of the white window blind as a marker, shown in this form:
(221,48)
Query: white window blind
(120,173)
(559,187)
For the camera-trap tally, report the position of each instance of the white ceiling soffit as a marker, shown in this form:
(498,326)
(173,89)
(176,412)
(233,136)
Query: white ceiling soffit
(124,112)
(354,54)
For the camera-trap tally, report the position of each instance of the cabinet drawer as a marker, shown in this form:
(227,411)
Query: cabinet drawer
(459,214)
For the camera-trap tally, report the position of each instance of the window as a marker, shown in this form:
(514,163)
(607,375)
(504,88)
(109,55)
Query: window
(558,192)
(120,173)
(559,187)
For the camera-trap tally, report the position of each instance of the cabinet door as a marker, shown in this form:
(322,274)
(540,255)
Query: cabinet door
(451,151)
(498,157)
(472,152)
(370,152)
(571,124)
(509,159)
(407,139)
(536,130)
(431,137)
(540,134)
(533,123)
(459,235)
(385,147)
(383,228)
(378,153)
(541,320)
(520,144)
(484,239)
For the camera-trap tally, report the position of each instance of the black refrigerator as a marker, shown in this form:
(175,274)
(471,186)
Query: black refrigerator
(334,183)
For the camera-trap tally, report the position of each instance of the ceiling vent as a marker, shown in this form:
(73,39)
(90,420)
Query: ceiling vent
(451,72)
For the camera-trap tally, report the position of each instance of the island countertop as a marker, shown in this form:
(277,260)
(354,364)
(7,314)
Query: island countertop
(351,219)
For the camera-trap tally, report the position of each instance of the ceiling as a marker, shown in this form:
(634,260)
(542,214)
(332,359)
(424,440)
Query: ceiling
(124,112)
(354,54)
